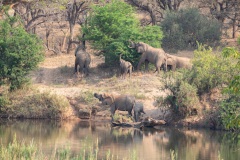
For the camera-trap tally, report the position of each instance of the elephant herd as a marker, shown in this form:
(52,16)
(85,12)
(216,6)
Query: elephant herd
(156,56)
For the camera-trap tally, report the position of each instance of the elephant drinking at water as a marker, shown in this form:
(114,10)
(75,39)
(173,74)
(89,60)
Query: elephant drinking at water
(117,102)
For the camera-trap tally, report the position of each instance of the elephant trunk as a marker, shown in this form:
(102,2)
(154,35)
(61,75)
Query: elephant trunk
(132,44)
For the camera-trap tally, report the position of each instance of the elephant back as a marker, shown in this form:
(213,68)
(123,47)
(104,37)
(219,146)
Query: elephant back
(83,56)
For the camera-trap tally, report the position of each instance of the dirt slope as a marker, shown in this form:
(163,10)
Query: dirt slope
(56,75)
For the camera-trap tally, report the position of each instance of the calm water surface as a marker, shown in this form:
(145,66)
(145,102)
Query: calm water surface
(150,144)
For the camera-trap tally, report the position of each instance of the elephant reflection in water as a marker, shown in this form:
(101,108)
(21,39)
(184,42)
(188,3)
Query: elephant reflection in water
(122,136)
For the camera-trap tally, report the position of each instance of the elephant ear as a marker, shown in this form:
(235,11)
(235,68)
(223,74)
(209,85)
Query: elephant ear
(107,95)
(144,45)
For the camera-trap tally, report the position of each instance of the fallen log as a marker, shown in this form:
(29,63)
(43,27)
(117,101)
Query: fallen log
(146,122)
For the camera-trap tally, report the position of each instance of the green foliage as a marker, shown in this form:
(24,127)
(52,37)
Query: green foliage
(186,27)
(210,69)
(234,86)
(230,108)
(20,53)
(183,98)
(16,150)
(3,101)
(230,113)
(110,27)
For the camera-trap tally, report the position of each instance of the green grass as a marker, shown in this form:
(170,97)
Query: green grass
(21,151)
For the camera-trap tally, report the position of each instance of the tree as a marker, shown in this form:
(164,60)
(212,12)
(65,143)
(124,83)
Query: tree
(20,53)
(74,10)
(109,27)
(185,28)
(226,11)
(156,8)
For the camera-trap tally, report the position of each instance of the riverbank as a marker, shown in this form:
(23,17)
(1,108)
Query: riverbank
(57,93)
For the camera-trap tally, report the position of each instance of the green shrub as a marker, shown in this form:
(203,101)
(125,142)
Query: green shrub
(230,113)
(187,99)
(183,98)
(230,108)
(187,27)
(20,53)
(110,27)
(210,69)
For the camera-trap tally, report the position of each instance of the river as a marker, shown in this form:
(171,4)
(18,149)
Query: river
(150,144)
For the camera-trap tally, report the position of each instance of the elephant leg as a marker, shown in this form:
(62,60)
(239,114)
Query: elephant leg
(146,65)
(130,71)
(130,112)
(112,109)
(143,58)
(135,116)
(76,65)
(158,64)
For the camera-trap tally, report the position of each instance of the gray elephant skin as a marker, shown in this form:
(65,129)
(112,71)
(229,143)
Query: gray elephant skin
(138,109)
(125,67)
(82,60)
(178,62)
(157,56)
(117,102)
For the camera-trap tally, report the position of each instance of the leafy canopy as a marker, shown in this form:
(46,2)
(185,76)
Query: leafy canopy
(20,53)
(109,28)
(186,27)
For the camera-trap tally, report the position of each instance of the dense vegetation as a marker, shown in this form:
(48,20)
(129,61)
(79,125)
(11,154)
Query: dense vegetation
(210,70)
(183,29)
(111,26)
(20,53)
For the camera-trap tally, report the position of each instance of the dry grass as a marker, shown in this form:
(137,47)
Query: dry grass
(56,76)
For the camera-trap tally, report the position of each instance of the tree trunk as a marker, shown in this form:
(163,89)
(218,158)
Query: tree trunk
(70,38)
(64,41)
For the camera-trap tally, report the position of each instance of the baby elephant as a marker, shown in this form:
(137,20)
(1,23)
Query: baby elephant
(82,60)
(117,102)
(125,67)
(138,109)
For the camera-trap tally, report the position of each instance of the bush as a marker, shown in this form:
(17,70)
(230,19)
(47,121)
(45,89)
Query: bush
(183,98)
(187,27)
(110,27)
(28,103)
(210,69)
(230,113)
(20,53)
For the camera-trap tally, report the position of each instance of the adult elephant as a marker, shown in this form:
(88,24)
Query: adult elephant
(117,102)
(176,62)
(157,56)
(83,60)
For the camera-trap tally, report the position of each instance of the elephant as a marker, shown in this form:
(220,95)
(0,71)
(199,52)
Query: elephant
(125,67)
(117,102)
(83,60)
(157,56)
(178,62)
(138,109)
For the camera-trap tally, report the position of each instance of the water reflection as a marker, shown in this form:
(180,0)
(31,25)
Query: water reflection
(148,144)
